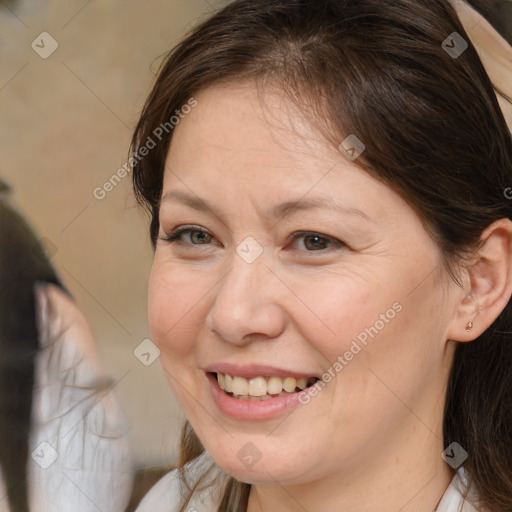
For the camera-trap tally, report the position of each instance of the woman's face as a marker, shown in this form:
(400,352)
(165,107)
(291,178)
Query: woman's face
(346,287)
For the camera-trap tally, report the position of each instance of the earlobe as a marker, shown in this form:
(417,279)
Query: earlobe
(488,285)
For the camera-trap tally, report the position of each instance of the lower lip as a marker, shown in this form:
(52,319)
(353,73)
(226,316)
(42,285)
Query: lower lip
(251,409)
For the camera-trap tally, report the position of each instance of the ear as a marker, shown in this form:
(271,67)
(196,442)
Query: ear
(488,283)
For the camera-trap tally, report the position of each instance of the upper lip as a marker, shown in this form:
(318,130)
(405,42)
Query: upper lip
(255,370)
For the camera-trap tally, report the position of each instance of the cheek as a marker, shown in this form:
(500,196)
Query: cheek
(363,323)
(336,309)
(174,304)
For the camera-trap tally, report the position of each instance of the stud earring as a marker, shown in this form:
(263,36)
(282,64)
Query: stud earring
(469,326)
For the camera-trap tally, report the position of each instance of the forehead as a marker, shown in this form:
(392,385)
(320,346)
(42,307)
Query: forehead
(246,132)
(241,118)
(240,143)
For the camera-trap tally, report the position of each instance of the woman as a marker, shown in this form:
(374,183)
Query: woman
(338,332)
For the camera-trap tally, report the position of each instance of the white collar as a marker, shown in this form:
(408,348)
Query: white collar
(453,499)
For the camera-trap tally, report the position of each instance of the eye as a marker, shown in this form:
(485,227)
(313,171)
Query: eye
(314,242)
(176,236)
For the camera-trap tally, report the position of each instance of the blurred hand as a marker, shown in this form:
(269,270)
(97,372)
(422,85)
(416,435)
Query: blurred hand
(80,458)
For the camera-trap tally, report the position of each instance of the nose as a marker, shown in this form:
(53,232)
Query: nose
(246,306)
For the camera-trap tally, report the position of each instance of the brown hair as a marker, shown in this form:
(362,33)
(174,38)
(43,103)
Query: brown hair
(433,132)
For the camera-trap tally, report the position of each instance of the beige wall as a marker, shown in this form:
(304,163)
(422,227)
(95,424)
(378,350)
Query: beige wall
(65,124)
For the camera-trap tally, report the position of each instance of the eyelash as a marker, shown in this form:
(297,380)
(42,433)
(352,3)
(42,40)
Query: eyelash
(174,236)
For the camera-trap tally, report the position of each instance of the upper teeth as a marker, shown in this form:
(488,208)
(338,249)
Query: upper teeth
(259,386)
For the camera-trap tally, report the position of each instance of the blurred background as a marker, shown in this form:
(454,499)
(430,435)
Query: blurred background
(73,77)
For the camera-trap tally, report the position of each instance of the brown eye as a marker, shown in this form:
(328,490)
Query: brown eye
(203,237)
(314,242)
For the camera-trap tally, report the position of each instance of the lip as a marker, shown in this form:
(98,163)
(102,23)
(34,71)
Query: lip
(255,370)
(251,410)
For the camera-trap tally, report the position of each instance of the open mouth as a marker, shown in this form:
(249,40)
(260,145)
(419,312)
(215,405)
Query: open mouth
(261,388)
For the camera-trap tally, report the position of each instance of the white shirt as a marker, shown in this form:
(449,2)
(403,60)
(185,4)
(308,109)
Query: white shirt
(165,495)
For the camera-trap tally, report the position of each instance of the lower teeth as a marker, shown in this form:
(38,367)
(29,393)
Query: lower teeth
(259,398)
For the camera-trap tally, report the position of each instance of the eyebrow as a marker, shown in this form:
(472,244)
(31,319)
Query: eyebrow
(281,210)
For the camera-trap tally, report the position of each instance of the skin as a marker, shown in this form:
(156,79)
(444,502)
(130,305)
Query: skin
(372,439)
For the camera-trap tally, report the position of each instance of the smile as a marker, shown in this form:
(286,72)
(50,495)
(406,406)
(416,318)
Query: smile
(261,388)
(256,397)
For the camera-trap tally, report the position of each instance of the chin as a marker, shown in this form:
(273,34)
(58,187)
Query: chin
(244,465)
